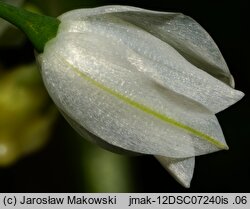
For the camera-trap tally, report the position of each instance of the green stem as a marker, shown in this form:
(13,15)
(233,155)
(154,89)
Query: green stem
(39,28)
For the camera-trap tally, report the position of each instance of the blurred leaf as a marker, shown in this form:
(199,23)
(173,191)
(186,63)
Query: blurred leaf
(105,171)
(26,113)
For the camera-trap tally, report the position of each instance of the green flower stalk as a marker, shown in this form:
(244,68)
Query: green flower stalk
(135,80)
(3,24)
(39,28)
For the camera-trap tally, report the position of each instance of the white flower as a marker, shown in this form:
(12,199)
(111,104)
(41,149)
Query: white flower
(143,81)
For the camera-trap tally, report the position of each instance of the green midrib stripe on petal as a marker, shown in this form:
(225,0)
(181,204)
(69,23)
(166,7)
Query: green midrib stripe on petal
(148,110)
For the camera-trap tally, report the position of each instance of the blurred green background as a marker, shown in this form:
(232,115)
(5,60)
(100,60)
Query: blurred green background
(59,160)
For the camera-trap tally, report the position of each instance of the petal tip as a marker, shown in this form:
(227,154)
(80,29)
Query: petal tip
(180,169)
(185,184)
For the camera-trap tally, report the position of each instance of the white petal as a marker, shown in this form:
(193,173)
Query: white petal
(92,138)
(81,14)
(181,169)
(171,56)
(104,93)
(180,31)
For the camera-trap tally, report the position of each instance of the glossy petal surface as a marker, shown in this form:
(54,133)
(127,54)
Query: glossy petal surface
(181,169)
(140,81)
